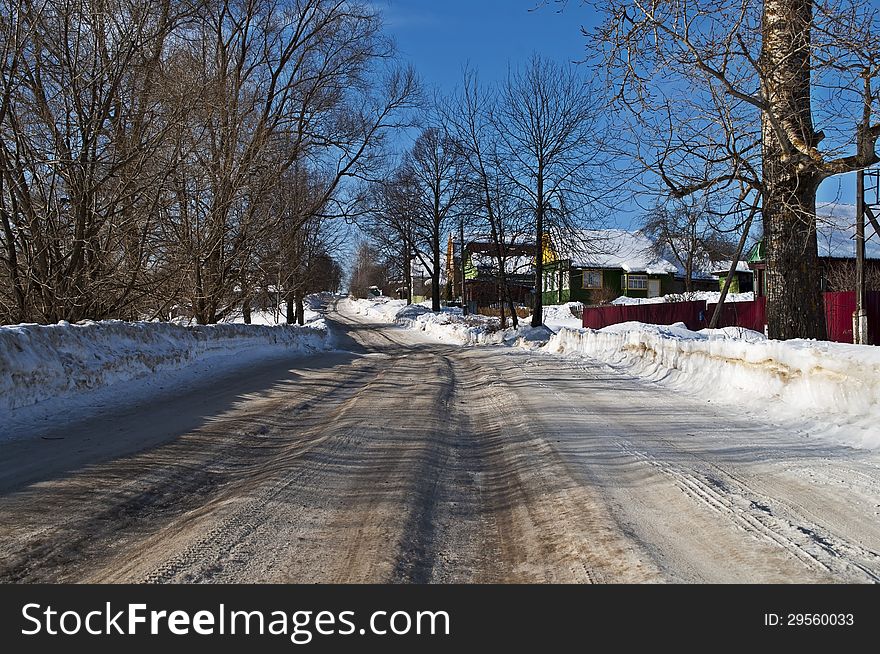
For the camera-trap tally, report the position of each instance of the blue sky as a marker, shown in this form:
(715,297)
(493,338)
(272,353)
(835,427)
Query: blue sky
(440,37)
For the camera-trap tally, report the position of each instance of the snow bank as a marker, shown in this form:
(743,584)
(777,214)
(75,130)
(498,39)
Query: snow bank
(835,383)
(39,362)
(380,308)
(557,316)
(313,302)
(450,325)
(711,297)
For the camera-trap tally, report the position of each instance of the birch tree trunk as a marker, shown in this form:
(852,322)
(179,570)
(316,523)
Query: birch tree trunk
(790,177)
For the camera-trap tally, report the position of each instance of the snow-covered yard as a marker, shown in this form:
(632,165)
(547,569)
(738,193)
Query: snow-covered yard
(278,315)
(827,388)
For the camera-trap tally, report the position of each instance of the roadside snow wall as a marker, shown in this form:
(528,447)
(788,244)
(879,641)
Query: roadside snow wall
(837,383)
(450,326)
(39,362)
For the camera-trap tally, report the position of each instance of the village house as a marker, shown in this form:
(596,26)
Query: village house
(482,278)
(596,266)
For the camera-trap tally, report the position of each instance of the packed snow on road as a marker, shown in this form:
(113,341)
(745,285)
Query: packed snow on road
(822,388)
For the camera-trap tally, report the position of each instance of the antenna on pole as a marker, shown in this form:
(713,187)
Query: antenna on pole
(867,200)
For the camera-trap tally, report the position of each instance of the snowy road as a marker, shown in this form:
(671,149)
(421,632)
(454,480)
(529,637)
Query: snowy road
(400,459)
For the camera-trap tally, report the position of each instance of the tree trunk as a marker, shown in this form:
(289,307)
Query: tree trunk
(790,177)
(407,272)
(12,265)
(290,315)
(794,292)
(464,307)
(538,309)
(246,311)
(689,272)
(501,306)
(300,309)
(435,274)
(513,317)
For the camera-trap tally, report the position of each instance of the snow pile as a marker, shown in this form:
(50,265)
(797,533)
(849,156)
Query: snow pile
(455,328)
(711,297)
(314,304)
(835,383)
(450,325)
(42,362)
(380,308)
(557,316)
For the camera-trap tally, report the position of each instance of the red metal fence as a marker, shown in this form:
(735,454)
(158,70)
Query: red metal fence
(665,313)
(839,308)
(750,315)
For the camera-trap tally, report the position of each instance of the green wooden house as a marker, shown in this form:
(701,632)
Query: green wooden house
(598,266)
(743,279)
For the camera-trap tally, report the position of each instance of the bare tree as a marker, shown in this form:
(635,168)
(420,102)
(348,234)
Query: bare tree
(840,275)
(143,144)
(685,233)
(721,93)
(548,122)
(468,116)
(80,128)
(287,85)
(389,227)
(366,271)
(424,200)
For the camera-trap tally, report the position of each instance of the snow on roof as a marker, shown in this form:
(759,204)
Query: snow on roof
(614,248)
(723,267)
(836,232)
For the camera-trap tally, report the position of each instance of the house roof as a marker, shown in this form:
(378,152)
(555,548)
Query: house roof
(513,264)
(836,232)
(723,267)
(613,248)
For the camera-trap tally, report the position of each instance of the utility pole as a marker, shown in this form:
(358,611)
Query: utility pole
(860,317)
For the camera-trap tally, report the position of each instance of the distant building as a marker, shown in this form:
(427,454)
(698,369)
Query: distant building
(743,279)
(835,237)
(482,272)
(597,266)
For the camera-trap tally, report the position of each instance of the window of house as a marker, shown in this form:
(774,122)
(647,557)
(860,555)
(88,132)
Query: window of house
(550,280)
(563,281)
(592,279)
(635,282)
